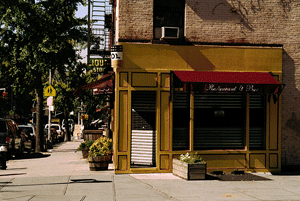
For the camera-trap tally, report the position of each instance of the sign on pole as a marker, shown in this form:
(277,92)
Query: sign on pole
(49,91)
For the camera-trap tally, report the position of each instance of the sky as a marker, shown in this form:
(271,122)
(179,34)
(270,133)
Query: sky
(81,12)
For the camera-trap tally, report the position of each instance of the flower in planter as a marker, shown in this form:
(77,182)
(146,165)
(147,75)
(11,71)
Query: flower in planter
(101,147)
(191,158)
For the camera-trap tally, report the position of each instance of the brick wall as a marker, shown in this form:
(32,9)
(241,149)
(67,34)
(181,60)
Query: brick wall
(135,20)
(238,21)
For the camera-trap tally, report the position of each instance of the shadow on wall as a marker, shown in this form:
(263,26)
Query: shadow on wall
(222,10)
(290,117)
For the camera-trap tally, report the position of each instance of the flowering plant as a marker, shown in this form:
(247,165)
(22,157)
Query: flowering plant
(191,158)
(101,147)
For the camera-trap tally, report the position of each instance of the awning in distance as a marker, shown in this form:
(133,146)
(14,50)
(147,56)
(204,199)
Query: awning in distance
(104,83)
(105,87)
(214,81)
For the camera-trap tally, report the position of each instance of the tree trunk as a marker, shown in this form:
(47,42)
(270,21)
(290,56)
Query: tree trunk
(66,116)
(39,114)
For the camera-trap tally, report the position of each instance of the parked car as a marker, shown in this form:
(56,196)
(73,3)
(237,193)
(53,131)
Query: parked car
(10,137)
(56,128)
(29,137)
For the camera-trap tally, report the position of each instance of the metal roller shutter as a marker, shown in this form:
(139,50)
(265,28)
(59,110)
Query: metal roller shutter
(257,129)
(216,125)
(181,117)
(143,135)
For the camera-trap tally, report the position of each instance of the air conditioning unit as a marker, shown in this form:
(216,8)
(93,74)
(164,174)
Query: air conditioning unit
(170,32)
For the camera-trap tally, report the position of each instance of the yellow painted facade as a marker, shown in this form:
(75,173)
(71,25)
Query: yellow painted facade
(146,67)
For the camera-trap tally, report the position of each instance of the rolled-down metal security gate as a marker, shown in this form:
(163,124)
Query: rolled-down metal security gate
(143,135)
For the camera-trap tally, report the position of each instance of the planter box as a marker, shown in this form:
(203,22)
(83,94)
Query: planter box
(189,171)
(92,134)
(85,152)
(99,163)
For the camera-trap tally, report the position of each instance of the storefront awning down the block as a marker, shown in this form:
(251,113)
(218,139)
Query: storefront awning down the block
(102,86)
(226,82)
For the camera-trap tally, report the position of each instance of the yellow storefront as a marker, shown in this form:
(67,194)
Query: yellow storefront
(160,111)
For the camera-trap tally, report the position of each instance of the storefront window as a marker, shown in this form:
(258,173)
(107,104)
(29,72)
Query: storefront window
(219,121)
(181,118)
(257,123)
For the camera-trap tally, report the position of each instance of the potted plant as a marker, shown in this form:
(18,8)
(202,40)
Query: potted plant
(100,154)
(84,147)
(189,166)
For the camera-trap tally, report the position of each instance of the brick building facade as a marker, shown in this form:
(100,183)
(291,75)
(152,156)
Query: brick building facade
(235,23)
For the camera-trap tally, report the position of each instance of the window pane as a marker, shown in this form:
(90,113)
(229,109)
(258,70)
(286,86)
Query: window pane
(219,121)
(257,122)
(181,118)
(169,13)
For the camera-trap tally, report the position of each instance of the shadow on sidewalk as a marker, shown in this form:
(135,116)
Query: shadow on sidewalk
(73,181)
(235,177)
(32,156)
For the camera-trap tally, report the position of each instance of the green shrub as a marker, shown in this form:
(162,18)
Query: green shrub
(101,147)
(85,145)
(191,158)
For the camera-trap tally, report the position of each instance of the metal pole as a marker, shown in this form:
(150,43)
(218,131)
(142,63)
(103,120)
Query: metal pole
(49,112)
(89,32)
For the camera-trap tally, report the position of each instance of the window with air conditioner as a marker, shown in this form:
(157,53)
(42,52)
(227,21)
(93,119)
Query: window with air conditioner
(168,19)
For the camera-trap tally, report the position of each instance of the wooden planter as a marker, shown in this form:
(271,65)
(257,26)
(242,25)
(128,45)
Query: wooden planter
(189,171)
(85,152)
(98,163)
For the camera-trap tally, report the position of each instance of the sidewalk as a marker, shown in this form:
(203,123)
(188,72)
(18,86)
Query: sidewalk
(63,175)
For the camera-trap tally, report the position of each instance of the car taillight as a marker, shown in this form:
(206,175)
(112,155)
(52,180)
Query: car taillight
(7,139)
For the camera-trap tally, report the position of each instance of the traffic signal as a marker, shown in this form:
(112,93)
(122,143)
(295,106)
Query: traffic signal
(5,95)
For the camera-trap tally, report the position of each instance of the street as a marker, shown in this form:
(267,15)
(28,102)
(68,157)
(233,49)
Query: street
(62,174)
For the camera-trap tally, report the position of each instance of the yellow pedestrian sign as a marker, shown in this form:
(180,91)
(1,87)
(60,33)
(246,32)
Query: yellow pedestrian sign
(49,91)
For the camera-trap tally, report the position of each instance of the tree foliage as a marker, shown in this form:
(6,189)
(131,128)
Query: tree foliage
(36,37)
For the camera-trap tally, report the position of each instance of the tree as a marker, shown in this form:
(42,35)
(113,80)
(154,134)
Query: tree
(38,37)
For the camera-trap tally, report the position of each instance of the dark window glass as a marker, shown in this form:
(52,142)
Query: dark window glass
(219,121)
(181,118)
(169,13)
(257,131)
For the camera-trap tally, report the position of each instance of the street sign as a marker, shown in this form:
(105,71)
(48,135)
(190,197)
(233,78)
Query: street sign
(49,91)
(98,65)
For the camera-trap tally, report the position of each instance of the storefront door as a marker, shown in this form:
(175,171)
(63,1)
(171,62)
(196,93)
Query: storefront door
(143,129)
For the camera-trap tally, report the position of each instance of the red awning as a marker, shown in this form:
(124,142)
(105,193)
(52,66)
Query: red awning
(105,87)
(212,81)
(105,80)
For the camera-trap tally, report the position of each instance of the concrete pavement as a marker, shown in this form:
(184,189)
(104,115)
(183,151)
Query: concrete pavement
(63,175)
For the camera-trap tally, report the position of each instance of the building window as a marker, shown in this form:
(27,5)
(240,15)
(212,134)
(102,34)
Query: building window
(181,119)
(168,13)
(257,113)
(219,121)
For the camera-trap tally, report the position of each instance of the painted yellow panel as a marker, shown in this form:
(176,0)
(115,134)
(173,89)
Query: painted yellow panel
(208,58)
(141,56)
(164,162)
(123,166)
(257,160)
(123,79)
(225,161)
(273,124)
(164,122)
(273,160)
(144,80)
(165,80)
(123,122)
